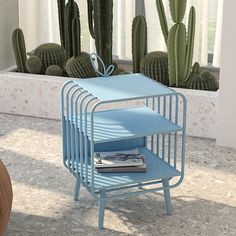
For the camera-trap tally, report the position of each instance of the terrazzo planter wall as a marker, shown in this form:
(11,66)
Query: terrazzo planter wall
(39,96)
(8,22)
(6,196)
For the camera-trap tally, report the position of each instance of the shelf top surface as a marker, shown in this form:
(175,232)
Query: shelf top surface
(128,123)
(123,87)
(156,169)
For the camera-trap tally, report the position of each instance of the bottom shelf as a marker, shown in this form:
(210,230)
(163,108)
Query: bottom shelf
(156,169)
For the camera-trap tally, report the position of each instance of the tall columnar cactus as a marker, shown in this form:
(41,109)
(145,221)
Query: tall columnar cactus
(201,80)
(179,43)
(155,66)
(18,43)
(79,65)
(61,19)
(100,16)
(139,41)
(50,54)
(71,11)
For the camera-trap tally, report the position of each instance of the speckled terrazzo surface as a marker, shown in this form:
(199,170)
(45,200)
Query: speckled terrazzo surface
(205,204)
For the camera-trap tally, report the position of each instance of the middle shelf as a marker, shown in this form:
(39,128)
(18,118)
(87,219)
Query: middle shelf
(114,125)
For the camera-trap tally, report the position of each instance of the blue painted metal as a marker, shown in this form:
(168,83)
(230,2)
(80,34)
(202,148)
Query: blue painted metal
(89,125)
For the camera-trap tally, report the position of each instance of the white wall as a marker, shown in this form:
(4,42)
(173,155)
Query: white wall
(8,22)
(227,99)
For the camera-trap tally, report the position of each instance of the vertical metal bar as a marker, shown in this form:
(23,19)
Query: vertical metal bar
(163,135)
(92,148)
(81,134)
(86,137)
(183,133)
(176,122)
(146,138)
(92,144)
(152,138)
(169,135)
(73,127)
(64,139)
(77,132)
(158,136)
(68,126)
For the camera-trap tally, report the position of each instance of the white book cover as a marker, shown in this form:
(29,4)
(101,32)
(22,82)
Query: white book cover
(118,159)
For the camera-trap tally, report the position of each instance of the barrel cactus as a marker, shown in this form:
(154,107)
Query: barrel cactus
(79,65)
(18,43)
(179,42)
(50,54)
(155,66)
(139,41)
(34,65)
(54,70)
(100,16)
(201,80)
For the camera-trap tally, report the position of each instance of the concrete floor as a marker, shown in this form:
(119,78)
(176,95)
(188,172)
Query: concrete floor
(205,204)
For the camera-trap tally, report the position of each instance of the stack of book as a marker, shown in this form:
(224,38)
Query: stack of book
(120,161)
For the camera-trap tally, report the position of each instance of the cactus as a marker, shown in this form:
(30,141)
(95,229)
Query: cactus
(162,19)
(179,43)
(100,17)
(201,80)
(61,19)
(54,70)
(71,11)
(79,65)
(18,43)
(139,41)
(34,65)
(155,66)
(51,54)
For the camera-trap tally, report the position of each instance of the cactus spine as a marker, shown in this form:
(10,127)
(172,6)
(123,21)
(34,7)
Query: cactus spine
(201,80)
(71,11)
(155,66)
(19,48)
(34,65)
(79,65)
(139,41)
(100,16)
(61,19)
(179,43)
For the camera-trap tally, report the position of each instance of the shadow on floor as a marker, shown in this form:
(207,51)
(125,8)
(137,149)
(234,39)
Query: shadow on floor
(137,216)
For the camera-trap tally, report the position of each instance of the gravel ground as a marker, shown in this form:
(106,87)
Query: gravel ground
(205,204)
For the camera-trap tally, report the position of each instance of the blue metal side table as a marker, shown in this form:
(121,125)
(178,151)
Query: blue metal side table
(155,125)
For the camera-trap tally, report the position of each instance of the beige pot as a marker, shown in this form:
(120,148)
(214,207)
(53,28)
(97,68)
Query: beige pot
(6,197)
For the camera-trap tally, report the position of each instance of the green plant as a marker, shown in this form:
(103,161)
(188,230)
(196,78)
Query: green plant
(179,43)
(50,54)
(79,65)
(34,65)
(155,66)
(139,41)
(61,19)
(54,70)
(71,11)
(100,16)
(18,43)
(201,80)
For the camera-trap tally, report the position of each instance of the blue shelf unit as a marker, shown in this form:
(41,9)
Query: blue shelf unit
(120,113)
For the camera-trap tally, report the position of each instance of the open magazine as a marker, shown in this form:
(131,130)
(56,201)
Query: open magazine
(130,158)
